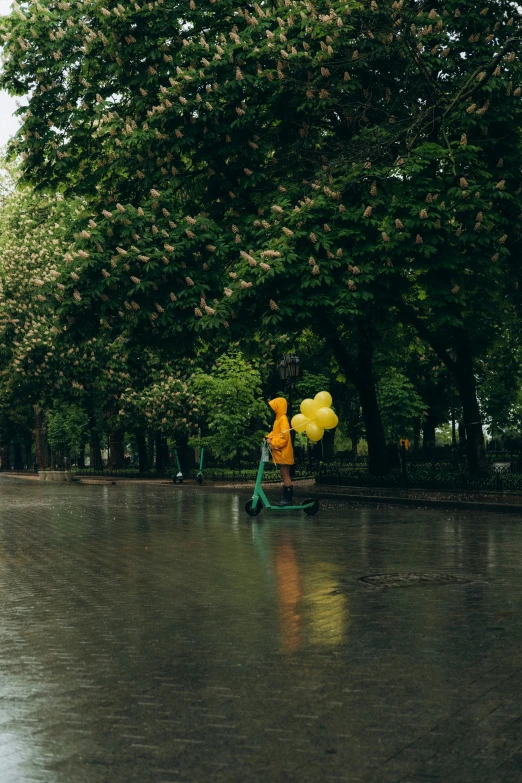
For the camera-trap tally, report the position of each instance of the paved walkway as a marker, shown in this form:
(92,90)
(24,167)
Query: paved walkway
(164,637)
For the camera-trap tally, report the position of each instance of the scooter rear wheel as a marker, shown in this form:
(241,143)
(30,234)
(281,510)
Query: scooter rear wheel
(252,510)
(311,509)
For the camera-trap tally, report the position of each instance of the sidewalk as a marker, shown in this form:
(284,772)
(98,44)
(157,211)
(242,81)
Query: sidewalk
(419,498)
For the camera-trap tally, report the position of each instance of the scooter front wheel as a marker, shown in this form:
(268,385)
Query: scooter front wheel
(252,510)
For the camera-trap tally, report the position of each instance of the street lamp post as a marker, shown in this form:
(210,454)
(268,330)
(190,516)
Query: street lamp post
(289,370)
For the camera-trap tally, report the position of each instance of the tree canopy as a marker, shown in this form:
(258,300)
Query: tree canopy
(280,166)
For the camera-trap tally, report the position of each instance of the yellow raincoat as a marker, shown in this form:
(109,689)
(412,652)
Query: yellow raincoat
(282,450)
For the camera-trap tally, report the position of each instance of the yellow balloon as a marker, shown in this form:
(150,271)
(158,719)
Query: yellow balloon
(323,399)
(314,432)
(299,422)
(309,408)
(326,418)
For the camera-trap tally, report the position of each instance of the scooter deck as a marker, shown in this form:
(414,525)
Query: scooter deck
(289,508)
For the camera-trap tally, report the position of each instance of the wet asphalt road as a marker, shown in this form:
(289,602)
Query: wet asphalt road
(157,634)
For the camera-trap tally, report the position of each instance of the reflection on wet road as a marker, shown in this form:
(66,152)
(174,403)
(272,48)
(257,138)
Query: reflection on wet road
(157,634)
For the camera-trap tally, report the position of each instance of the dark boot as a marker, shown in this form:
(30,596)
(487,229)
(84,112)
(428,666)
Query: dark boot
(288,496)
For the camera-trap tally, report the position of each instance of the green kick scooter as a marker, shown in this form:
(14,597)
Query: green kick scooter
(199,477)
(259,500)
(179,475)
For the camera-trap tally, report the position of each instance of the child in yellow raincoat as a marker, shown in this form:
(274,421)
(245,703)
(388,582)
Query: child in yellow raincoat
(282,449)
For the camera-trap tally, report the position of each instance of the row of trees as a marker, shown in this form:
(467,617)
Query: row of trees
(193,176)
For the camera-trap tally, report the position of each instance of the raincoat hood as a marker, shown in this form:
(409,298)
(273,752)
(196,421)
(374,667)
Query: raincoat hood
(279,405)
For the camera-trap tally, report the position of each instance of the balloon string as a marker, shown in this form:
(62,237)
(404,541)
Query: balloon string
(283,432)
(269,445)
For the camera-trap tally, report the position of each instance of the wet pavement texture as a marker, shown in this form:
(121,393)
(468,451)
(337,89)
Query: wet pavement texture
(158,634)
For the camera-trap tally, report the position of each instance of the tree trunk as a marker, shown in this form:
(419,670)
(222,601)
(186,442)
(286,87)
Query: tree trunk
(377,456)
(162,454)
(472,423)
(95,451)
(329,444)
(5,456)
(354,432)
(150,449)
(462,434)
(116,449)
(81,455)
(28,455)
(185,453)
(40,442)
(143,454)
(416,434)
(359,370)
(94,447)
(364,383)
(18,462)
(95,457)
(428,433)
(457,355)
(317,451)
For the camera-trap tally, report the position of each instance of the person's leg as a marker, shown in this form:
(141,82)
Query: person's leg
(288,490)
(285,475)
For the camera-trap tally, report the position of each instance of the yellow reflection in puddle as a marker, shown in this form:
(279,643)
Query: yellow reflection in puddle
(287,576)
(324,605)
(312,605)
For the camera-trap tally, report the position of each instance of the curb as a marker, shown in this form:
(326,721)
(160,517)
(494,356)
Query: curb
(26,476)
(463,505)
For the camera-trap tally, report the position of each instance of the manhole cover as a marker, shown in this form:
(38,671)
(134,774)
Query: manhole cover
(414,580)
